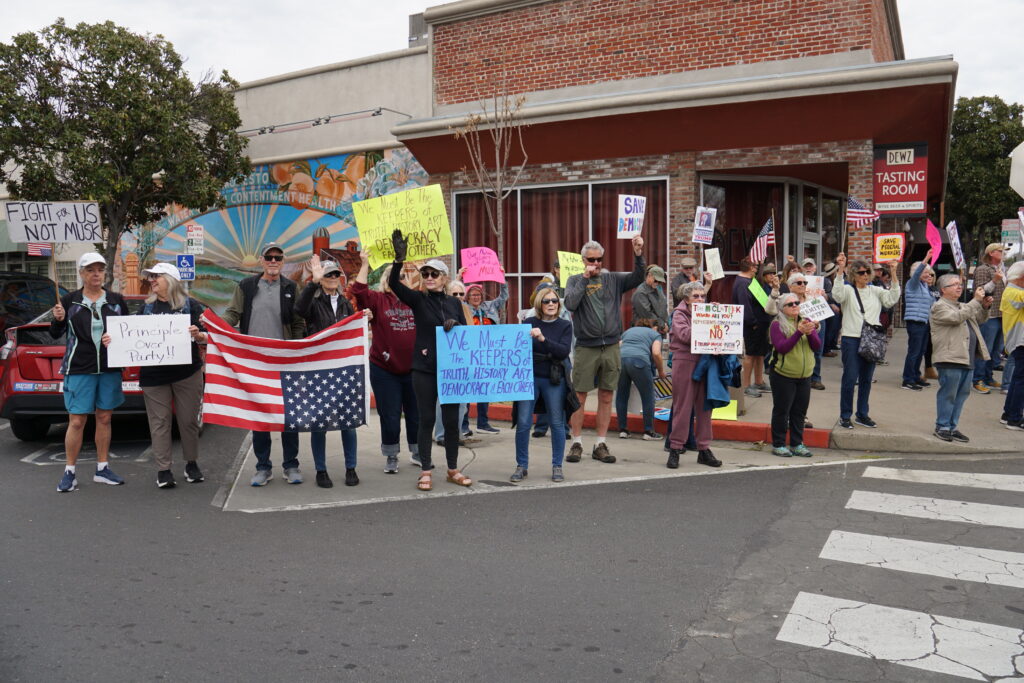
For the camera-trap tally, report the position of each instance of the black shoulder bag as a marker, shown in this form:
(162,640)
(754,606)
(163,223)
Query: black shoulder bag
(872,337)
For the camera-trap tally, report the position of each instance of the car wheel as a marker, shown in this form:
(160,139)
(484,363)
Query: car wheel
(30,428)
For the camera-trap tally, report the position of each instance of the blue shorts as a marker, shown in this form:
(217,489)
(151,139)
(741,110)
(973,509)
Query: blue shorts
(85,394)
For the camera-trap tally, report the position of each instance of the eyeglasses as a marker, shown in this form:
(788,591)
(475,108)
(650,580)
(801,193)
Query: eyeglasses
(273,257)
(799,282)
(333,274)
(549,301)
(791,303)
(152,278)
(863,272)
(430,274)
(596,259)
(458,294)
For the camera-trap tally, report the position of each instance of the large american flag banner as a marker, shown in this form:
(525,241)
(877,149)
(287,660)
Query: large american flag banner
(300,385)
(764,239)
(858,214)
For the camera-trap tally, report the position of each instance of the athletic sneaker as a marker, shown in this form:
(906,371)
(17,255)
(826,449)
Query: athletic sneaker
(575,453)
(911,385)
(801,451)
(994,384)
(1016,425)
(959,436)
(763,387)
(107,476)
(865,421)
(488,429)
(1002,419)
(981,388)
(165,479)
(193,474)
(652,436)
(943,434)
(518,475)
(391,466)
(351,478)
(67,482)
(556,474)
(623,435)
(752,391)
(845,423)
(782,452)
(293,476)
(414,458)
(262,477)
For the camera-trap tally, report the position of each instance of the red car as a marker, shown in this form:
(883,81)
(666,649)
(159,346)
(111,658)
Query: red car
(31,384)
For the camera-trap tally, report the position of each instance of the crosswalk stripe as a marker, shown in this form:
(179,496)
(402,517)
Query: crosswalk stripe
(937,508)
(998,482)
(958,647)
(984,565)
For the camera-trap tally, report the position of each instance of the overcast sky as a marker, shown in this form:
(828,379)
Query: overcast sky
(258,38)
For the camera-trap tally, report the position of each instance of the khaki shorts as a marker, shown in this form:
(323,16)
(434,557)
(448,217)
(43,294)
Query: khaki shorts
(596,367)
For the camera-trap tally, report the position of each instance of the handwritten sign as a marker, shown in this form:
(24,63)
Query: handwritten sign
(816,309)
(815,283)
(954,244)
(631,216)
(54,221)
(758,291)
(934,241)
(569,263)
(716,328)
(481,265)
(704,225)
(889,247)
(484,363)
(713,264)
(149,340)
(419,213)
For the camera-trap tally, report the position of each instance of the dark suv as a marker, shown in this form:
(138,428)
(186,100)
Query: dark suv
(25,296)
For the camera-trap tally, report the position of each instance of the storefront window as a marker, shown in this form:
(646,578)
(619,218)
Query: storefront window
(831,227)
(743,208)
(810,212)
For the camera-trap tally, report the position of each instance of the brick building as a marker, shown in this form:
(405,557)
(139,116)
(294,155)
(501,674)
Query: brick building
(755,108)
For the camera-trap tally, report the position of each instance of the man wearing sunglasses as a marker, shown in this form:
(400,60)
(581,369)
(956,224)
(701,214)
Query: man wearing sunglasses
(595,299)
(264,306)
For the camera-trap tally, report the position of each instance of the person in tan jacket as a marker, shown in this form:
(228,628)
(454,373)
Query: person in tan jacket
(956,344)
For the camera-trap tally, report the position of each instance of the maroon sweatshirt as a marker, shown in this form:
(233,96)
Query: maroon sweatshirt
(394,330)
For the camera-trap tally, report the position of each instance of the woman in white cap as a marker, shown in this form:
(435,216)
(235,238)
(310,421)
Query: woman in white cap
(90,386)
(174,389)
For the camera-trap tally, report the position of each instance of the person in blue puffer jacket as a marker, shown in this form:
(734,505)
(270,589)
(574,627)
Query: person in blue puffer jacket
(917,314)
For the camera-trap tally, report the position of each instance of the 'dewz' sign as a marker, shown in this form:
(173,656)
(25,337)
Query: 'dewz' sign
(148,340)
(54,221)
(419,213)
(716,328)
(484,363)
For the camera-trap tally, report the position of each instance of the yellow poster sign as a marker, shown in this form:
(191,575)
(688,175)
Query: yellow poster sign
(419,213)
(889,247)
(569,263)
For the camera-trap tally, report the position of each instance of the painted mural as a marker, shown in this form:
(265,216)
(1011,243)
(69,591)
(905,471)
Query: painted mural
(288,203)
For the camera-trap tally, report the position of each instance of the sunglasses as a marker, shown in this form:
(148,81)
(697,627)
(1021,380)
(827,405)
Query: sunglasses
(595,260)
(800,282)
(458,294)
(549,301)
(863,272)
(333,274)
(430,274)
(273,257)
(95,311)
(791,303)
(152,278)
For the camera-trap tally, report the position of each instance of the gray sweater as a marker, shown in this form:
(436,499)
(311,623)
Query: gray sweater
(596,304)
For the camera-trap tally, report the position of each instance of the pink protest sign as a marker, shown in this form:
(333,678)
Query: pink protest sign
(481,265)
(934,240)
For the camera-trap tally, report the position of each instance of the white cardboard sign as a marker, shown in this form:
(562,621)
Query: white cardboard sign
(954,244)
(816,309)
(54,221)
(631,216)
(704,225)
(148,340)
(716,328)
(713,264)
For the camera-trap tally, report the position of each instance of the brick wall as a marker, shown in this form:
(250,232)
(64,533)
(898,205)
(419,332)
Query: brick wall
(577,42)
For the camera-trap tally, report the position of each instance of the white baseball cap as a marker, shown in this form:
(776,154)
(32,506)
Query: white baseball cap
(163,269)
(90,258)
(436,264)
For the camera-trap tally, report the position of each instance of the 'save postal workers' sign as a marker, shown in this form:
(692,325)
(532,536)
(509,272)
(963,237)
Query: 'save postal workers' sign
(480,363)
(420,215)
(889,247)
(148,340)
(716,328)
(54,221)
(631,216)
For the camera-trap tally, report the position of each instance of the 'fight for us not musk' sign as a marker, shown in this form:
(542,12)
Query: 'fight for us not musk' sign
(54,221)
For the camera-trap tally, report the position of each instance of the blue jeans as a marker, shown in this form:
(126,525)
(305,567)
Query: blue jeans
(318,440)
(954,388)
(636,371)
(394,396)
(554,400)
(917,342)
(289,444)
(857,373)
(822,333)
(542,424)
(1014,403)
(992,333)
(481,415)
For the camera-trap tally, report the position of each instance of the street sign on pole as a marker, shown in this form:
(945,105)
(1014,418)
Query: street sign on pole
(194,238)
(186,266)
(1017,169)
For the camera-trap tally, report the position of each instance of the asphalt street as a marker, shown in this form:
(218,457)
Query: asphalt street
(706,578)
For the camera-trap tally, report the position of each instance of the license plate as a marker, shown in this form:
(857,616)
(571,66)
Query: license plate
(129,386)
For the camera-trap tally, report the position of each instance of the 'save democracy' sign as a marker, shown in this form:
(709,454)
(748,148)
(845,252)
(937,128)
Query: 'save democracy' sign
(54,221)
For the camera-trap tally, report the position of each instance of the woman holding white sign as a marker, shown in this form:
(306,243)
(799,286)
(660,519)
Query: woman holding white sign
(795,341)
(173,390)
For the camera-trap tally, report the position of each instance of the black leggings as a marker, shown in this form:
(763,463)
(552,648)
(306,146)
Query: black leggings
(790,398)
(424,385)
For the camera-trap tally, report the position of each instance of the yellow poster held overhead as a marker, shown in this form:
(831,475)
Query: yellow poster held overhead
(419,213)
(569,263)
(889,247)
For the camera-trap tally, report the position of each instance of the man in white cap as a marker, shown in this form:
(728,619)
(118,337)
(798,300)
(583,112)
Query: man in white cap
(991,275)
(264,306)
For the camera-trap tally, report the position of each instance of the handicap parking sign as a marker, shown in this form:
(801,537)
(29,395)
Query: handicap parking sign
(186,266)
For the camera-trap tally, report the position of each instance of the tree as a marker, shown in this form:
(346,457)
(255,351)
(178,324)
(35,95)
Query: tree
(978,196)
(495,130)
(95,112)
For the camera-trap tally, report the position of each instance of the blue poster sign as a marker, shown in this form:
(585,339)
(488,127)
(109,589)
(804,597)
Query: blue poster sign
(483,363)
(186,266)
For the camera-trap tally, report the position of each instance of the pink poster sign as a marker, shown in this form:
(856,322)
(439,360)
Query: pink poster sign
(481,265)
(934,241)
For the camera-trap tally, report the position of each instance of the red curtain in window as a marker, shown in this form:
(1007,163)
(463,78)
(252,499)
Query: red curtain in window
(554,219)
(743,208)
(474,231)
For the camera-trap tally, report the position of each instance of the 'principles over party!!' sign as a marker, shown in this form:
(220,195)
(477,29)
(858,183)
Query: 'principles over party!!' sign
(716,328)
(484,363)
(149,340)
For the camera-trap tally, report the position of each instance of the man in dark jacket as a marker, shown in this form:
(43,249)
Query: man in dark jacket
(649,300)
(595,299)
(264,306)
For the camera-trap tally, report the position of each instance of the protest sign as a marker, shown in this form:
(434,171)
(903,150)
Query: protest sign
(816,309)
(569,263)
(716,328)
(954,244)
(149,340)
(934,241)
(728,412)
(758,291)
(481,265)
(889,247)
(631,216)
(815,283)
(54,221)
(704,225)
(484,363)
(713,264)
(419,213)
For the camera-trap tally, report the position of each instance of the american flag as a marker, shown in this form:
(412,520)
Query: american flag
(858,214)
(300,385)
(40,249)
(765,239)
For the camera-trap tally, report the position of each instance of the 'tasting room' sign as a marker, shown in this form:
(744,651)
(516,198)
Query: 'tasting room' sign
(901,178)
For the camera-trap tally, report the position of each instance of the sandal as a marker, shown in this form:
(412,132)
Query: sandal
(424,483)
(456,477)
